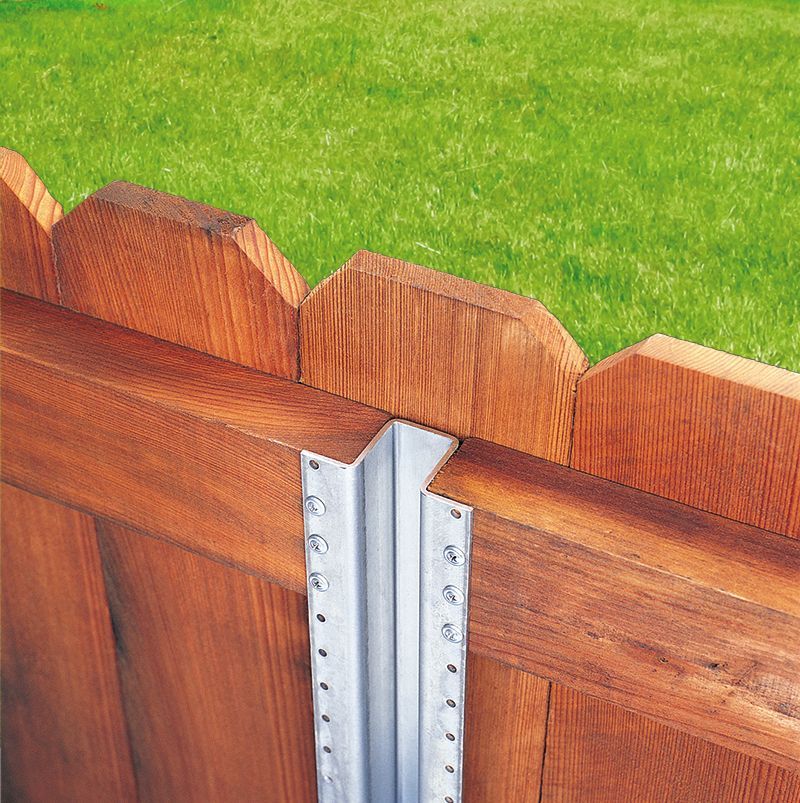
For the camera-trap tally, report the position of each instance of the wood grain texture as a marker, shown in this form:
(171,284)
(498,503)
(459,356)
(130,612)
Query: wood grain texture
(717,432)
(215,675)
(164,439)
(687,617)
(183,272)
(505,732)
(27,214)
(703,427)
(444,352)
(606,755)
(64,735)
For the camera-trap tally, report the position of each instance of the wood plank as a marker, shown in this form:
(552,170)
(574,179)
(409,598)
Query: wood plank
(717,432)
(63,733)
(505,732)
(27,215)
(164,439)
(444,352)
(606,754)
(215,675)
(682,615)
(184,272)
(703,427)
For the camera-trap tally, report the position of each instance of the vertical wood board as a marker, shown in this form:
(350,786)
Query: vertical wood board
(505,732)
(215,675)
(699,426)
(183,272)
(472,361)
(63,734)
(27,214)
(443,351)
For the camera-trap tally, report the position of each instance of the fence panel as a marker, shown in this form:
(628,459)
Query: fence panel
(680,614)
(677,613)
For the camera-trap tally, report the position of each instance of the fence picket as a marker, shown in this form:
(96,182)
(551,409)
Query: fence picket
(183,272)
(64,735)
(27,214)
(444,352)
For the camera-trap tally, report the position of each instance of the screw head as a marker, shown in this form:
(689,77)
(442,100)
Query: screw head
(455,596)
(314,505)
(318,581)
(316,543)
(454,556)
(452,633)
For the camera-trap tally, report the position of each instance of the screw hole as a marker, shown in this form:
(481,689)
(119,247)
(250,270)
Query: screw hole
(456,514)
(451,668)
(323,653)
(449,768)
(326,749)
(324,686)
(320,617)
(450,737)
(451,703)
(314,464)
(326,718)
(449,799)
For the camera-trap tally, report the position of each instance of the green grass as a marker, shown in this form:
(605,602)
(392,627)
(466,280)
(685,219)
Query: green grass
(634,165)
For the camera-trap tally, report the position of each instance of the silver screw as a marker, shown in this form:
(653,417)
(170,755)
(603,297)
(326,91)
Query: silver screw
(453,555)
(315,506)
(455,596)
(452,633)
(318,581)
(316,543)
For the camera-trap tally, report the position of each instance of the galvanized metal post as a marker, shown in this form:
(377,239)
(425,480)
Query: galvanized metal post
(388,570)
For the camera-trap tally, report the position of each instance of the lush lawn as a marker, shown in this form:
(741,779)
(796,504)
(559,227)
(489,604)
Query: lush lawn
(634,165)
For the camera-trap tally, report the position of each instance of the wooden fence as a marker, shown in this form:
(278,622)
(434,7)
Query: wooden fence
(635,586)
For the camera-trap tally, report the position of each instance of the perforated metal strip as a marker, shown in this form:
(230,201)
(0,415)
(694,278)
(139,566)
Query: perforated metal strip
(388,567)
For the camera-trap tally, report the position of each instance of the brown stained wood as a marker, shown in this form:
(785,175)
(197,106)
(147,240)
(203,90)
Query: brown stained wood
(215,675)
(717,432)
(687,617)
(63,729)
(505,732)
(183,272)
(27,214)
(703,427)
(606,754)
(167,440)
(443,351)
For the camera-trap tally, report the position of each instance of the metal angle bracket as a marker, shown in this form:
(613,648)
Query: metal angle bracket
(388,586)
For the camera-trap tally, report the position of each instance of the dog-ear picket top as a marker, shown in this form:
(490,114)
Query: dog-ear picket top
(177,409)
